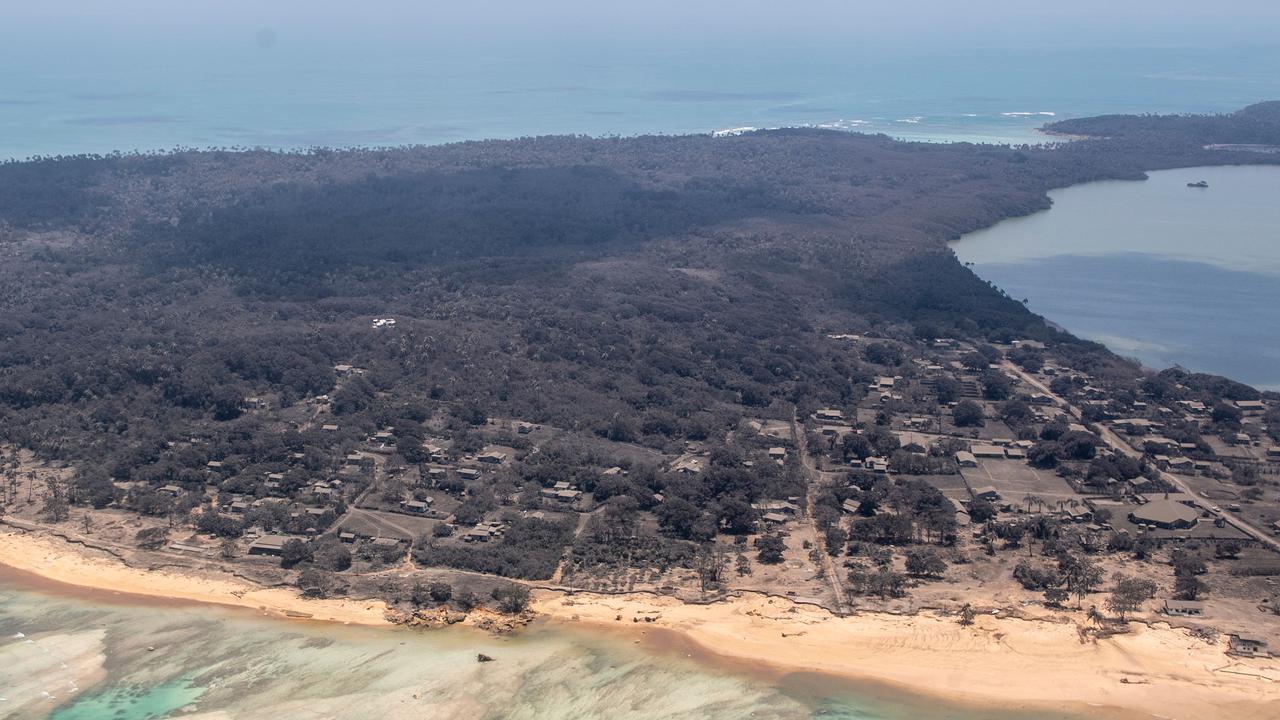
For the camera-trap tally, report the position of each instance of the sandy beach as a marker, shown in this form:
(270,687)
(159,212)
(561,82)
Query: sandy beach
(1006,662)
(1026,663)
(62,562)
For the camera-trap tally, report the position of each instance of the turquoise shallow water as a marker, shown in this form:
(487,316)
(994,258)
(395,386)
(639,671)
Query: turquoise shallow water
(1156,270)
(76,659)
(129,703)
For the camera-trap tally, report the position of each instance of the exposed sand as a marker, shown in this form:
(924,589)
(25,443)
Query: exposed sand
(59,561)
(1005,662)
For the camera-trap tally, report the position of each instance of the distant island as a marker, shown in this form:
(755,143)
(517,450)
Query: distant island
(460,383)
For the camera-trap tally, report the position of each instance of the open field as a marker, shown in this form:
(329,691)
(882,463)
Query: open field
(1014,479)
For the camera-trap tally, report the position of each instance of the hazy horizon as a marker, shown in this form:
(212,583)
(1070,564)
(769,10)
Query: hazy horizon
(980,21)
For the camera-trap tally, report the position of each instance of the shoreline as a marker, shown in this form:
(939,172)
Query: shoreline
(1015,663)
(104,577)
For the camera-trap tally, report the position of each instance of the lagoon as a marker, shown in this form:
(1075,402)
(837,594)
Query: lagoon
(1156,270)
(88,655)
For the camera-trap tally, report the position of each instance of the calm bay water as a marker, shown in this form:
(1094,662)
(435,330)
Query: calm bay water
(1156,270)
(63,658)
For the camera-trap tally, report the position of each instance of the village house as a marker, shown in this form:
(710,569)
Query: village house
(782,507)
(964,458)
(876,464)
(271,545)
(1135,426)
(917,423)
(417,507)
(688,465)
(1194,407)
(1076,514)
(562,491)
(1251,407)
(1161,444)
(987,451)
(324,491)
(492,457)
(359,460)
(1248,645)
(986,492)
(829,415)
(1183,608)
(483,532)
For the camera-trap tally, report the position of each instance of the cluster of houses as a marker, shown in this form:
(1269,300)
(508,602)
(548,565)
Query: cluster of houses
(1242,644)
(998,449)
(484,532)
(776,512)
(562,492)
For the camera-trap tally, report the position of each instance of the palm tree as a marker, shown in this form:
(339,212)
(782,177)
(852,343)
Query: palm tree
(1095,615)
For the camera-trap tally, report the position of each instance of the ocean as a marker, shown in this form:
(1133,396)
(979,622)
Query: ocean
(101,96)
(91,657)
(1156,270)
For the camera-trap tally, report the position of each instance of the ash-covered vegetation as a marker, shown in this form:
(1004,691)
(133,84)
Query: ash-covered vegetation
(1254,125)
(239,327)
